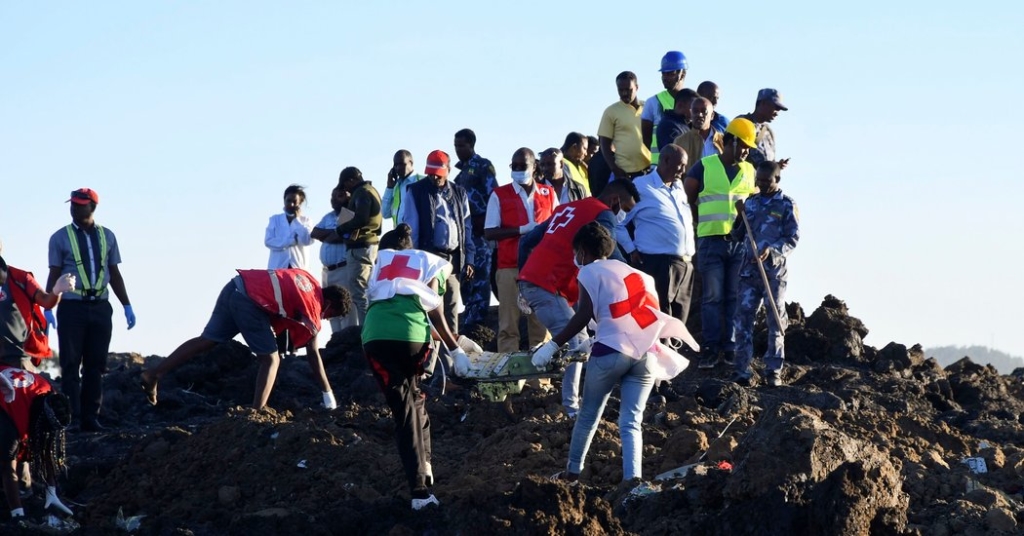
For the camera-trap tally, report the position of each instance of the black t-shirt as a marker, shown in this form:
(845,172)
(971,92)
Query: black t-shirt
(13,329)
(598,173)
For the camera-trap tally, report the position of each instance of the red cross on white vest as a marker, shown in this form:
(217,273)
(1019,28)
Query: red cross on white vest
(636,304)
(399,267)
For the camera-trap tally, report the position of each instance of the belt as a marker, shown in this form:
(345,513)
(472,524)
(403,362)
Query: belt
(684,258)
(335,266)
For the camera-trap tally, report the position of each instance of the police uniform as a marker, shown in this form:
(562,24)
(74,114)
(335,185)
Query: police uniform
(477,177)
(774,221)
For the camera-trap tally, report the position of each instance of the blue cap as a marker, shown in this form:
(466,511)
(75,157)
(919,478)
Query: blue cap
(772,95)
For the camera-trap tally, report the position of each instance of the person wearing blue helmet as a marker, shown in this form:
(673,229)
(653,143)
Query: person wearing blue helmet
(673,77)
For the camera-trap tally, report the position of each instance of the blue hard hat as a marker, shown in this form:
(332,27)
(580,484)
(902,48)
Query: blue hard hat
(673,60)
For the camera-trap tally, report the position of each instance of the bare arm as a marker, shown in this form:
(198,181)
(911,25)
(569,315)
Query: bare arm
(690,186)
(440,324)
(647,131)
(316,365)
(51,278)
(117,285)
(579,321)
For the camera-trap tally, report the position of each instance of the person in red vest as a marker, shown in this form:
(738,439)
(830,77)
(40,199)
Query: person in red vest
(512,211)
(23,326)
(32,423)
(258,304)
(547,273)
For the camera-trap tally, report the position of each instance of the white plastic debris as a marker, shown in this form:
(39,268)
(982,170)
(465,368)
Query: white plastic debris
(130,524)
(984,445)
(301,464)
(977,465)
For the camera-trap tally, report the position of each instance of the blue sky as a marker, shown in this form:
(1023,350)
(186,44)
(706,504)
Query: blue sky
(190,119)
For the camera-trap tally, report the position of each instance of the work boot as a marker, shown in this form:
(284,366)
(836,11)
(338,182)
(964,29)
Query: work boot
(708,360)
(742,381)
(773,378)
(729,357)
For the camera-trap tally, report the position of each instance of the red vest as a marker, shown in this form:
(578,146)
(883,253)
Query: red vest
(550,265)
(513,214)
(27,386)
(37,344)
(291,297)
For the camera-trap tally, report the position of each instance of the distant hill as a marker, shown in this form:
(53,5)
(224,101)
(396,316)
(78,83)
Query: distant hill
(1002,361)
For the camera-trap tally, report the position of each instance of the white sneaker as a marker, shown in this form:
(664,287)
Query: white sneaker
(419,504)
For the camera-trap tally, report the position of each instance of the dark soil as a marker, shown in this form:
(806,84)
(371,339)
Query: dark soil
(860,441)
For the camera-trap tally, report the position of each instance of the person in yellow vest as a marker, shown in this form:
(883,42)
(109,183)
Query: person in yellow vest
(512,211)
(575,151)
(400,177)
(84,322)
(673,76)
(713,186)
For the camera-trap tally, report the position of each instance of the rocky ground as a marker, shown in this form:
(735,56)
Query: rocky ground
(860,441)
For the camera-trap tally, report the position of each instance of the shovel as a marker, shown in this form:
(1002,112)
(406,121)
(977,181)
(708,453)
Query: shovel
(760,267)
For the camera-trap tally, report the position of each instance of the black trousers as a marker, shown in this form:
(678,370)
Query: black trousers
(673,278)
(83,332)
(397,366)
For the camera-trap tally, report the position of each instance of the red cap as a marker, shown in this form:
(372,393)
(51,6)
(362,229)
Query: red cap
(84,196)
(437,163)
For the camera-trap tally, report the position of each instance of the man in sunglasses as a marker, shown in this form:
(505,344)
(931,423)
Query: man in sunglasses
(83,321)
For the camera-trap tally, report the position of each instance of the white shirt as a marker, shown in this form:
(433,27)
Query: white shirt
(652,110)
(664,223)
(287,241)
(492,220)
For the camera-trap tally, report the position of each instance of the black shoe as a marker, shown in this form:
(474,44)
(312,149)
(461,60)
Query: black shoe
(92,425)
(708,361)
(774,378)
(729,357)
(742,381)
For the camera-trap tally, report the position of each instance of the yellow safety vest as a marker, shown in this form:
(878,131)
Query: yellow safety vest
(716,203)
(87,288)
(667,102)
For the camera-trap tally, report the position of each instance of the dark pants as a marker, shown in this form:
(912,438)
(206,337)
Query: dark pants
(451,299)
(84,340)
(397,366)
(673,278)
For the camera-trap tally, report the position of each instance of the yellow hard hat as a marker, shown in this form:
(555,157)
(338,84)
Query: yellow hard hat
(743,129)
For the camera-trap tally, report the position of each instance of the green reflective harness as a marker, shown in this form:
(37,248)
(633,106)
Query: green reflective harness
(88,289)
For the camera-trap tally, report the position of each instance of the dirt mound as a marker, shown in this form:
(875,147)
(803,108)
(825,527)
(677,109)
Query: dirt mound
(860,441)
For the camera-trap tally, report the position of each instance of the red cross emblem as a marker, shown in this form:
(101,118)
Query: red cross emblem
(18,378)
(399,267)
(636,304)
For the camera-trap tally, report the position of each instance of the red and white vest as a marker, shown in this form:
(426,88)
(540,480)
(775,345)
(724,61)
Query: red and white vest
(407,272)
(628,319)
(291,296)
(513,214)
(18,389)
(550,265)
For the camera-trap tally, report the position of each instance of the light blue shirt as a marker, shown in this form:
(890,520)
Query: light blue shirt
(330,253)
(445,237)
(664,223)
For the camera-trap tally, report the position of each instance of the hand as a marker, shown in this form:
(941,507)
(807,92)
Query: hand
(765,254)
(783,163)
(523,229)
(392,178)
(52,500)
(65,283)
(51,321)
(635,259)
(329,401)
(129,315)
(460,362)
(544,354)
(586,346)
(467,345)
(524,306)
(469,271)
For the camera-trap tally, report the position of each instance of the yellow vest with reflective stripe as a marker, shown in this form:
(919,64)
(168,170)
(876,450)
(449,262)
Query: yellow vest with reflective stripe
(667,102)
(716,203)
(101,270)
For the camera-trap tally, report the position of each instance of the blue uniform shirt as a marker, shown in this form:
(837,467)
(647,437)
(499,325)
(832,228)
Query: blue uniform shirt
(477,177)
(774,219)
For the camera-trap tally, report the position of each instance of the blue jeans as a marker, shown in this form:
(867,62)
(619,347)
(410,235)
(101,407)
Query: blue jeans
(554,312)
(603,373)
(750,296)
(719,262)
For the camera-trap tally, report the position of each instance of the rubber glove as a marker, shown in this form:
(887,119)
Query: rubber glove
(523,229)
(469,346)
(461,361)
(585,346)
(524,306)
(17,512)
(51,320)
(543,355)
(52,500)
(129,314)
(65,283)
(329,401)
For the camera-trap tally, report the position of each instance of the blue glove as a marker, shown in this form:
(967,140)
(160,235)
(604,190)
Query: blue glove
(51,321)
(129,314)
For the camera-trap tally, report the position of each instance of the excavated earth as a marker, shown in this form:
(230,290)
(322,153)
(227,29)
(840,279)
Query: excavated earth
(860,441)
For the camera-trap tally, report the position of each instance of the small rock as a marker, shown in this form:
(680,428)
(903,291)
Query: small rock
(227,495)
(1001,519)
(156,449)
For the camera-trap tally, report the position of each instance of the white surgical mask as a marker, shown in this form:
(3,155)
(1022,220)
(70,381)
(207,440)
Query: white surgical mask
(576,262)
(620,216)
(522,177)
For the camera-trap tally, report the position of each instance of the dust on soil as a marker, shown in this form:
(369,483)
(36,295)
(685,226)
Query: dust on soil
(860,441)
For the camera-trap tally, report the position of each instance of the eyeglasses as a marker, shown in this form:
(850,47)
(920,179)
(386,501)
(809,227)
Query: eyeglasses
(518,167)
